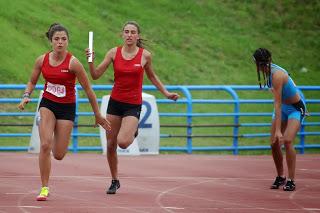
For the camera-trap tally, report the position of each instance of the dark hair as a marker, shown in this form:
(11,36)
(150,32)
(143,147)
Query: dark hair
(262,58)
(140,42)
(56,27)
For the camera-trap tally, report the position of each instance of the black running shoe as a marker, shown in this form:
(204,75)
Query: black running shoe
(290,186)
(279,181)
(115,185)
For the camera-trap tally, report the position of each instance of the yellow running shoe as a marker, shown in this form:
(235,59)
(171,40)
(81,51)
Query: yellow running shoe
(44,193)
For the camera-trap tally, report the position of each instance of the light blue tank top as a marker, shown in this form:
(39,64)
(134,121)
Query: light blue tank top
(289,89)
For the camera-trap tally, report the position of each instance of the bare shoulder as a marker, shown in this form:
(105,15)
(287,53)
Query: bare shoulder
(112,52)
(278,74)
(74,60)
(146,54)
(278,79)
(74,64)
(40,58)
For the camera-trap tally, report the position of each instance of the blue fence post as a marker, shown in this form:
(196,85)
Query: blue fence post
(189,118)
(75,126)
(236,119)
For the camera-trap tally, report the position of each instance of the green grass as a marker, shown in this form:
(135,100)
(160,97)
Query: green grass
(201,42)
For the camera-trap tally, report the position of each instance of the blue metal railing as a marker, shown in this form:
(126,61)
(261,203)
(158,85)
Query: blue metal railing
(189,101)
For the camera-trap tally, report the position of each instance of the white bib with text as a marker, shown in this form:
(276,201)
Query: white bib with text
(56,89)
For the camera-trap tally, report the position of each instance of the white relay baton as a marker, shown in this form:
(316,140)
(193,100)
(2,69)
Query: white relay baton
(90,46)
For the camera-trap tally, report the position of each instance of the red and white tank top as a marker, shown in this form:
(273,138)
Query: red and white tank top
(128,78)
(60,82)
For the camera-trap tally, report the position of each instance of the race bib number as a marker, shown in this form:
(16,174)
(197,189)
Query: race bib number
(56,90)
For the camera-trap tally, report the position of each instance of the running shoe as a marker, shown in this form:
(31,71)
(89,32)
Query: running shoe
(290,186)
(279,181)
(115,185)
(44,193)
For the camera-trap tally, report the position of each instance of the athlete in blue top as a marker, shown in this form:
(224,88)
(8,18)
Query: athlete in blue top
(289,111)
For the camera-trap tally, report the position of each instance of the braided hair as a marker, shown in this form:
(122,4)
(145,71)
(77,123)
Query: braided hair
(262,58)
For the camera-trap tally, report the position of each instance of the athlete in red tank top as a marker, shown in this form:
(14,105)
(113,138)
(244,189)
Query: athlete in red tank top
(60,82)
(57,108)
(128,78)
(129,63)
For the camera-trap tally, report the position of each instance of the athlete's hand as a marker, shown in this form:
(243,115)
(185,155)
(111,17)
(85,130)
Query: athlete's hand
(103,122)
(23,102)
(278,138)
(172,96)
(88,54)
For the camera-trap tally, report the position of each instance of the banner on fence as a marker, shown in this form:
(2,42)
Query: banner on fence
(148,138)
(34,145)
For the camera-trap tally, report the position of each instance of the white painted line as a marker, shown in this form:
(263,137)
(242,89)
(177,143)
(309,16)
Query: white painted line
(172,207)
(33,207)
(311,170)
(15,193)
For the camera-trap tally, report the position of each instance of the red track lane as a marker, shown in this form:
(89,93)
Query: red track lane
(163,183)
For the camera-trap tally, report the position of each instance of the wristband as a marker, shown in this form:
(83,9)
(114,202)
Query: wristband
(26,95)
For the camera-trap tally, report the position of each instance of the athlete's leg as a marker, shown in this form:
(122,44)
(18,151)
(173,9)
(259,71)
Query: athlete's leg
(61,140)
(276,149)
(46,129)
(288,137)
(112,157)
(127,131)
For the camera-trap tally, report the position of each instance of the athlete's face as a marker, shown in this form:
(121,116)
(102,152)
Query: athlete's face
(263,68)
(130,34)
(59,41)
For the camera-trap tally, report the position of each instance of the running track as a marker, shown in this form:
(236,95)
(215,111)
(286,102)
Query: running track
(163,183)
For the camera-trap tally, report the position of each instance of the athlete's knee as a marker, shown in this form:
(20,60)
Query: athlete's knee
(275,145)
(287,142)
(59,156)
(123,145)
(124,142)
(45,147)
(111,145)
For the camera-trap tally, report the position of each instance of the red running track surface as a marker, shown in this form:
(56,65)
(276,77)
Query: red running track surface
(163,183)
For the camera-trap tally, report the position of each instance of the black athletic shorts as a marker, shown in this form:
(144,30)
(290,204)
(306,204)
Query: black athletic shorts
(60,110)
(123,109)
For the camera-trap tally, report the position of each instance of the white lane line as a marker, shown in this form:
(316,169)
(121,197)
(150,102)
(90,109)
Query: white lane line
(33,207)
(16,193)
(172,207)
(310,170)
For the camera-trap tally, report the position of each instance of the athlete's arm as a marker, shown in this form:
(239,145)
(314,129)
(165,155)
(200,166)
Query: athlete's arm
(154,78)
(77,68)
(277,83)
(32,82)
(103,66)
